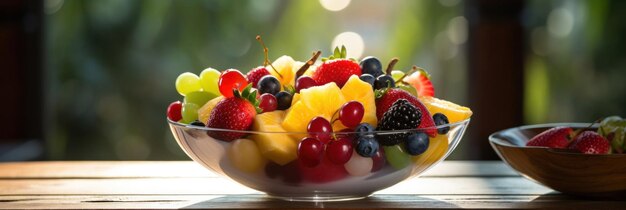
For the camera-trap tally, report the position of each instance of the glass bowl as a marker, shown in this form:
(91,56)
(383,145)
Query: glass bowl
(275,169)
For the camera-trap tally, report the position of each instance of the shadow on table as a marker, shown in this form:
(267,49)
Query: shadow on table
(259,201)
(560,200)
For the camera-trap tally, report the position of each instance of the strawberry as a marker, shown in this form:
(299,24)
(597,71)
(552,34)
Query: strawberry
(336,69)
(590,142)
(384,102)
(234,113)
(557,137)
(255,75)
(421,81)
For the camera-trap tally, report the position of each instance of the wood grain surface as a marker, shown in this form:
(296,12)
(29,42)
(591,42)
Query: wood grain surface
(184,184)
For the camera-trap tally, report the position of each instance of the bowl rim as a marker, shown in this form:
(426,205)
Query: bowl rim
(495,139)
(188,126)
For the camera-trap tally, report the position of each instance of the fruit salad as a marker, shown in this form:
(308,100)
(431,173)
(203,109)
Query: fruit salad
(319,121)
(609,138)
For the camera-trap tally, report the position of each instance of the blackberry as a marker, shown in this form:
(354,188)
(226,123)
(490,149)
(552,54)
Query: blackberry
(402,115)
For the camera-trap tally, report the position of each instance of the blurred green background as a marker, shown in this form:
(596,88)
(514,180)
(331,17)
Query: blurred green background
(111,65)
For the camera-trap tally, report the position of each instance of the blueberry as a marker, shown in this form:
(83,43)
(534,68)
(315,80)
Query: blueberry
(268,84)
(441,119)
(368,78)
(284,100)
(366,146)
(384,81)
(364,129)
(371,65)
(417,143)
(197,123)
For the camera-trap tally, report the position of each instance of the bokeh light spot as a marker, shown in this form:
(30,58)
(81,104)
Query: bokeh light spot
(457,30)
(52,6)
(560,22)
(353,42)
(334,5)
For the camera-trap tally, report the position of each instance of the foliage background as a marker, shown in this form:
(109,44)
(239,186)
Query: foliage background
(111,65)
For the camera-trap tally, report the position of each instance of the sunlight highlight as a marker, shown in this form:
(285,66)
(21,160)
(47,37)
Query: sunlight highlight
(353,42)
(334,5)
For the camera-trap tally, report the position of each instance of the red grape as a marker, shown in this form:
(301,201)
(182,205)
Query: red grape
(268,102)
(345,133)
(378,159)
(339,151)
(351,114)
(324,172)
(289,173)
(174,111)
(229,80)
(304,82)
(310,151)
(320,128)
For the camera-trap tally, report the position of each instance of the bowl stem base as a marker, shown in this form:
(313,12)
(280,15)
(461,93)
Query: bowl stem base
(318,197)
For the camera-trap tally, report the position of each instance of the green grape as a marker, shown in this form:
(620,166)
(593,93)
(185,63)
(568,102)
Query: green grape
(189,112)
(187,82)
(396,75)
(397,157)
(198,97)
(614,129)
(208,81)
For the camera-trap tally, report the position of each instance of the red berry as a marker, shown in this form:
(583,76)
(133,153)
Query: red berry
(255,75)
(320,128)
(338,71)
(339,151)
(229,80)
(304,82)
(345,133)
(310,152)
(174,111)
(378,159)
(268,102)
(351,114)
(590,142)
(325,172)
(557,137)
(289,173)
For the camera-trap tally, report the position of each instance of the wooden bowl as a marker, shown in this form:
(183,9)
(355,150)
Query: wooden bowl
(561,170)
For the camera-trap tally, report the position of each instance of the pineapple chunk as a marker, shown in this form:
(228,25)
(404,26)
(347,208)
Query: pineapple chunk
(205,111)
(275,146)
(245,156)
(284,66)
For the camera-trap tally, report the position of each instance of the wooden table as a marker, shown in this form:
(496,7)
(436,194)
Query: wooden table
(184,184)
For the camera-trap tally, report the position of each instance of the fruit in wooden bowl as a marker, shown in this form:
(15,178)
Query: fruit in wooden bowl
(577,162)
